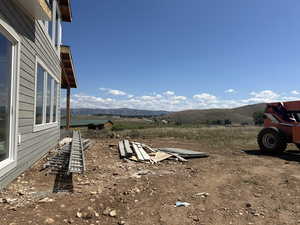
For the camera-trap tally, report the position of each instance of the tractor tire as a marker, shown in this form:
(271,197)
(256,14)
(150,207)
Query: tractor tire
(271,140)
(298,146)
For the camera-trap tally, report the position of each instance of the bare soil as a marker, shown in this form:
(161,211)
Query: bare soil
(243,186)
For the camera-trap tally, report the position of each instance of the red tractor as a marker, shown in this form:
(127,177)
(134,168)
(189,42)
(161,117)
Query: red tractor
(281,126)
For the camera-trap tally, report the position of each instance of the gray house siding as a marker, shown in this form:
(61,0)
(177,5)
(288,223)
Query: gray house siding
(34,43)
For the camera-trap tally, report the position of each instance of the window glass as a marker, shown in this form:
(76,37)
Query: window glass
(50,27)
(58,30)
(55,102)
(5,87)
(46,97)
(50,23)
(49,93)
(39,95)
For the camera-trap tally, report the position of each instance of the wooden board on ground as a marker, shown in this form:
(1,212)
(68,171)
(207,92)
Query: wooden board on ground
(128,149)
(147,147)
(122,150)
(133,158)
(143,152)
(184,152)
(178,157)
(160,156)
(137,152)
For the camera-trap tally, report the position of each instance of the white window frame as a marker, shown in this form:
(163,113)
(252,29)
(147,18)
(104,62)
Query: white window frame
(11,162)
(51,124)
(55,40)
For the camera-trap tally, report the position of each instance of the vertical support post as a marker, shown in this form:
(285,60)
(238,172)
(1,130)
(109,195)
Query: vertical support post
(68,116)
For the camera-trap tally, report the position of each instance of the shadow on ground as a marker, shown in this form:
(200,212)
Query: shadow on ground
(63,183)
(290,155)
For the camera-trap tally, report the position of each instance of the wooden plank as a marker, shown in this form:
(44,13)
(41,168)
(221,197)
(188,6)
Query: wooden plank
(184,152)
(160,156)
(137,152)
(144,154)
(122,150)
(149,148)
(178,157)
(128,149)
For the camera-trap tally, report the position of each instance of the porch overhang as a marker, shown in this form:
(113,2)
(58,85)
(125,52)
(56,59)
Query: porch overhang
(68,77)
(65,10)
(39,9)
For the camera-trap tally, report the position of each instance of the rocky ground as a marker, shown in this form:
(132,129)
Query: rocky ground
(235,185)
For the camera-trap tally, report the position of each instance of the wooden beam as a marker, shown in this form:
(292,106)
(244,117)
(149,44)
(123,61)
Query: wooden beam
(142,151)
(122,150)
(128,149)
(137,152)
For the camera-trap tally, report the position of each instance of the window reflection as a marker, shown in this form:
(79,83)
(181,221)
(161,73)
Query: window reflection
(5,87)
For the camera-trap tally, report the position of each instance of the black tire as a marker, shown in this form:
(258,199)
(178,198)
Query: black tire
(271,140)
(298,146)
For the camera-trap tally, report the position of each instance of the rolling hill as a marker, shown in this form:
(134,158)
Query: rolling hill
(236,115)
(115,112)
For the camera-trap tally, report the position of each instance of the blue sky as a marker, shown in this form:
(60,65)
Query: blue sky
(184,54)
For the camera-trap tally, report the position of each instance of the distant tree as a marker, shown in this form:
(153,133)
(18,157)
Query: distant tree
(258,118)
(178,122)
(227,122)
(244,123)
(219,122)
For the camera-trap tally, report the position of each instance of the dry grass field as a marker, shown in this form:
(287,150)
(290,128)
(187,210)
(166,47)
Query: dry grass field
(243,185)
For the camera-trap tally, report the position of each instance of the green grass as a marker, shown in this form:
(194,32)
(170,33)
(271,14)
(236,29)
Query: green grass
(214,136)
(132,125)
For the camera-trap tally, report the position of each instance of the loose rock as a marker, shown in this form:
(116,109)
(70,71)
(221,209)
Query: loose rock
(49,220)
(113,213)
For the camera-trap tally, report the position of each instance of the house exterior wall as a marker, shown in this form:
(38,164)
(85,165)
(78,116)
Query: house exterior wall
(34,43)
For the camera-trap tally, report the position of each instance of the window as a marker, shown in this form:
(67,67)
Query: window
(55,94)
(39,95)
(49,103)
(5,73)
(53,27)
(9,70)
(58,29)
(46,98)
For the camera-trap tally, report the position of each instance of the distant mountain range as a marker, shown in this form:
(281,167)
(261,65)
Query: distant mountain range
(236,115)
(116,112)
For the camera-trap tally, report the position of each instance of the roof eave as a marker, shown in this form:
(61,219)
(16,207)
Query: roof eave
(68,68)
(65,10)
(39,9)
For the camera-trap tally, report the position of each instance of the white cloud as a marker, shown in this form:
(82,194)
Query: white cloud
(169,93)
(179,98)
(263,96)
(230,91)
(114,92)
(148,97)
(295,92)
(172,102)
(205,97)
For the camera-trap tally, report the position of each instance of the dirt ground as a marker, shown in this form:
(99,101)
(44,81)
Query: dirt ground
(233,186)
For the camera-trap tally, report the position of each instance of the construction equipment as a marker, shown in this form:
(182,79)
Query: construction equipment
(281,126)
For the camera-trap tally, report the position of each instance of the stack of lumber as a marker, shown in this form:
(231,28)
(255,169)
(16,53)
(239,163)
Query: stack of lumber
(142,153)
